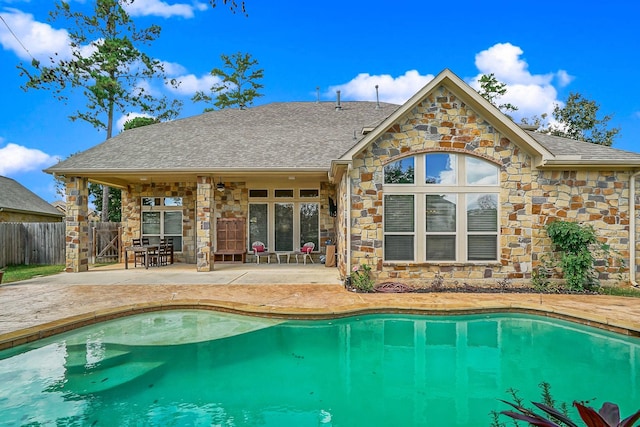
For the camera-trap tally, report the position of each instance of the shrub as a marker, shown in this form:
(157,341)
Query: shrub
(579,250)
(361,278)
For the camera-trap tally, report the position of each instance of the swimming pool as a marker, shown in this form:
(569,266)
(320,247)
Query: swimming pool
(192,367)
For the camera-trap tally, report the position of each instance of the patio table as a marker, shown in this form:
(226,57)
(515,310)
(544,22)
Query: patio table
(146,249)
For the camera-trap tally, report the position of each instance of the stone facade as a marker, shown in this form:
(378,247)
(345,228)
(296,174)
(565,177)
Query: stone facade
(132,213)
(77,225)
(202,205)
(529,198)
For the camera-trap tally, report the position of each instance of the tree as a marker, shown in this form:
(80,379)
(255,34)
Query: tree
(137,122)
(492,90)
(239,86)
(106,65)
(578,120)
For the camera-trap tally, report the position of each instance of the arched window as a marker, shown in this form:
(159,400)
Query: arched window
(450,215)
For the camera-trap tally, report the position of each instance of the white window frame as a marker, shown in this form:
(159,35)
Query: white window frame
(162,209)
(420,190)
(297,201)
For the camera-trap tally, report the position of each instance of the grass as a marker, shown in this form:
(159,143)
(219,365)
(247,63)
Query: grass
(620,291)
(14,273)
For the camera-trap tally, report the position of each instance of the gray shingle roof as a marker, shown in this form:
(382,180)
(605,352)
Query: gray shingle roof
(16,197)
(293,135)
(586,151)
(277,136)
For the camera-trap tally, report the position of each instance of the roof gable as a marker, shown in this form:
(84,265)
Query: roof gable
(16,197)
(471,98)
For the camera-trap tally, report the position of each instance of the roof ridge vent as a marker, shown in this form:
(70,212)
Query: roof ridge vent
(338,105)
(377,99)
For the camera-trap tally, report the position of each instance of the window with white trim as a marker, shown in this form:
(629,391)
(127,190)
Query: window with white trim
(162,219)
(453,208)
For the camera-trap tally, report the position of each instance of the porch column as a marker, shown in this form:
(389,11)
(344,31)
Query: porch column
(77,225)
(204,230)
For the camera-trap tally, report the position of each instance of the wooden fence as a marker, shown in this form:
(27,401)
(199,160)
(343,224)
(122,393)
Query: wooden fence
(43,243)
(32,243)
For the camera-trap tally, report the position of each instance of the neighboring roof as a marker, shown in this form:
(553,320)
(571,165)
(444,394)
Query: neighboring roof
(278,136)
(569,152)
(15,197)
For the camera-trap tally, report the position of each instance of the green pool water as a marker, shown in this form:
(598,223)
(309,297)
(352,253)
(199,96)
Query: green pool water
(202,368)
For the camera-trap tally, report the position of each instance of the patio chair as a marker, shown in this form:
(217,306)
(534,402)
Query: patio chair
(137,256)
(166,251)
(259,250)
(306,250)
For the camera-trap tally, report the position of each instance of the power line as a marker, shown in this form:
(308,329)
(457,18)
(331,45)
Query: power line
(16,37)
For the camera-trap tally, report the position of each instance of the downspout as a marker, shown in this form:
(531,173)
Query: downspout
(632,229)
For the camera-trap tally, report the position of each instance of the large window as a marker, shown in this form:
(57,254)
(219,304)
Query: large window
(162,219)
(458,205)
(284,219)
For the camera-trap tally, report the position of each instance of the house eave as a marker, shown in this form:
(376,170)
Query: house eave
(560,163)
(22,211)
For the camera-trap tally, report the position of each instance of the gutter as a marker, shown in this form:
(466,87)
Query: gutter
(632,229)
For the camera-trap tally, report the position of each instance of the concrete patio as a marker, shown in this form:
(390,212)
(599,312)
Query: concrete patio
(44,306)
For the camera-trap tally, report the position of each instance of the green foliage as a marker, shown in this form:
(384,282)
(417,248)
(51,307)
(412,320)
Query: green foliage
(579,250)
(361,278)
(578,120)
(239,83)
(491,89)
(14,273)
(106,65)
(114,205)
(138,122)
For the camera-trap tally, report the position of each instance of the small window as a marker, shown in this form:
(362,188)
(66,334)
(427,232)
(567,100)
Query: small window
(151,201)
(441,169)
(259,193)
(400,172)
(173,201)
(309,193)
(284,193)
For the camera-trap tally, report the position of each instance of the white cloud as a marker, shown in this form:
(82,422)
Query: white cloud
(173,68)
(15,158)
(190,84)
(394,90)
(533,94)
(40,39)
(163,9)
(564,78)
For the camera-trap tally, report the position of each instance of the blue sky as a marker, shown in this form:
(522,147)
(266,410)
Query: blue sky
(543,50)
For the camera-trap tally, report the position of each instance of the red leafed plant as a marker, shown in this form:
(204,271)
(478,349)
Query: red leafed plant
(607,416)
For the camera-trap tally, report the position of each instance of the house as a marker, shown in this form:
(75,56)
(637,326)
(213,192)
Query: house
(444,184)
(61,206)
(19,204)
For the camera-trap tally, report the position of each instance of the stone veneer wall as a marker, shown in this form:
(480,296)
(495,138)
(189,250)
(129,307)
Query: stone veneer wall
(529,198)
(341,226)
(232,203)
(131,213)
(599,198)
(77,225)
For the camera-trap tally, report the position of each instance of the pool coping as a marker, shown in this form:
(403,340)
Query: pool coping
(34,333)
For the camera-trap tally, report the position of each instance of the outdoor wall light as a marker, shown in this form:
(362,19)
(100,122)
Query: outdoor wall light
(220,186)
